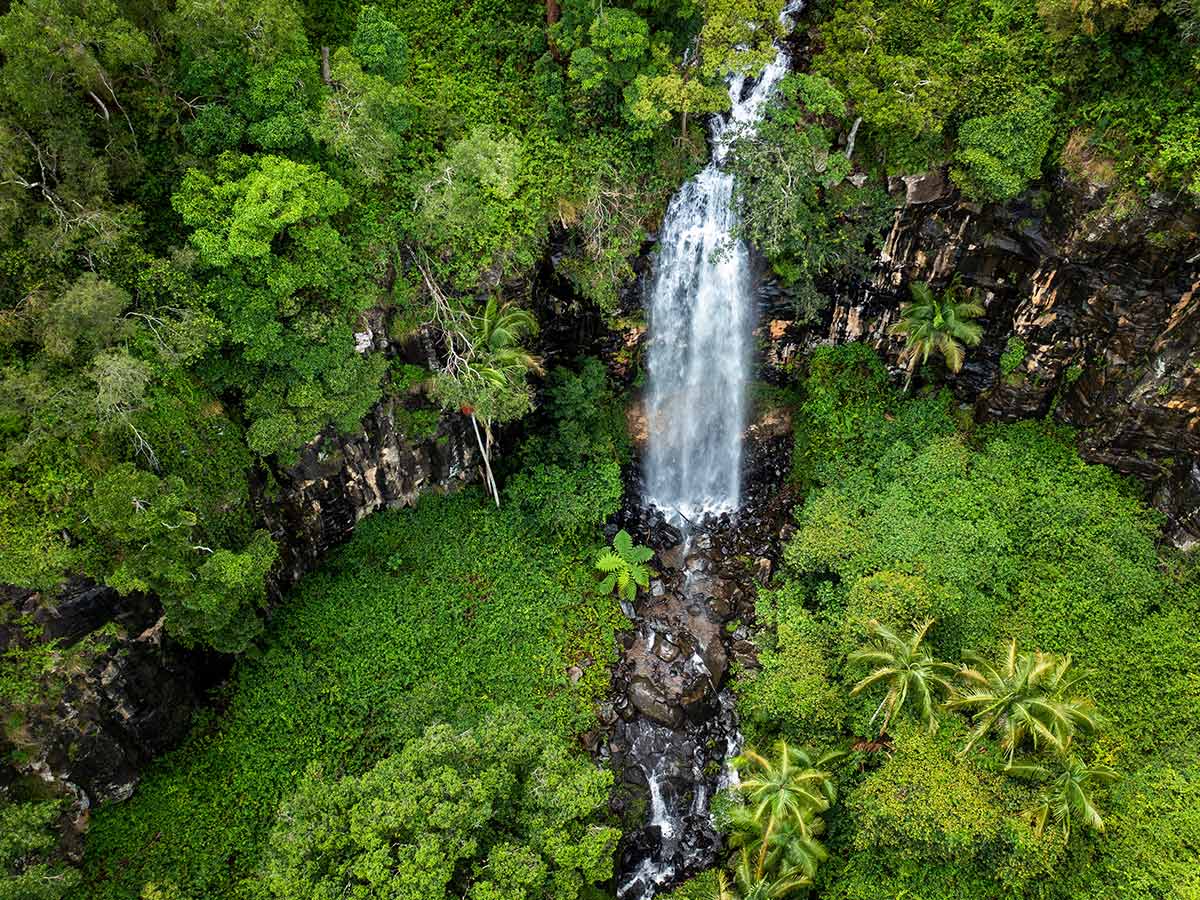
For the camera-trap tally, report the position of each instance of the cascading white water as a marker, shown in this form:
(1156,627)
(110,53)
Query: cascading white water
(701,317)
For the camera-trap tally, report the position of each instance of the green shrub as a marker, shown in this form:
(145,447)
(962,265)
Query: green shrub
(794,695)
(563,503)
(1000,154)
(1013,356)
(393,633)
(501,811)
(927,806)
(29,869)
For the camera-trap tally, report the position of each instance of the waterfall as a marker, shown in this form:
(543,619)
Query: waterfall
(701,318)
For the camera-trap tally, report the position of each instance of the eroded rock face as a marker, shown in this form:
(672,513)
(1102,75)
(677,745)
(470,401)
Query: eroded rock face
(122,693)
(1103,298)
(340,480)
(127,690)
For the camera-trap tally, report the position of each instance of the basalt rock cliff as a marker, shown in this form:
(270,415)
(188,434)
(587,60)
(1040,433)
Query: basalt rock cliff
(1092,317)
(123,690)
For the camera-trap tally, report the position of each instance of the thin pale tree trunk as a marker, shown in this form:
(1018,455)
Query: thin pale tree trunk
(487,463)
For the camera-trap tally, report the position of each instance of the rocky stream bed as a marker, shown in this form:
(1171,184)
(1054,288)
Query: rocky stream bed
(670,727)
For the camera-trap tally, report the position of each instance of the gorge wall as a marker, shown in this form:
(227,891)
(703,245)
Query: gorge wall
(124,689)
(1095,298)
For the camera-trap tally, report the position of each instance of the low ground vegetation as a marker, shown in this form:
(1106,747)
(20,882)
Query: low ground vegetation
(984,746)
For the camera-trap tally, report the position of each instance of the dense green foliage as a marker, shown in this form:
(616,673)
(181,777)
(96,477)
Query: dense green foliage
(215,214)
(396,632)
(997,88)
(28,869)
(797,201)
(569,475)
(501,812)
(198,206)
(1003,535)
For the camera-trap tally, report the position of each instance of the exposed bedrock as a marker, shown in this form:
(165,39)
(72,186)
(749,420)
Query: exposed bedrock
(125,691)
(1096,299)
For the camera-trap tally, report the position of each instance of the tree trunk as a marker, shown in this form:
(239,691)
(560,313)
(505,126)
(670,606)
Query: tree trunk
(326,71)
(487,462)
(553,14)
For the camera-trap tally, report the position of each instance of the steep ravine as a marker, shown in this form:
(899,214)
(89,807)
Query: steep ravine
(1105,300)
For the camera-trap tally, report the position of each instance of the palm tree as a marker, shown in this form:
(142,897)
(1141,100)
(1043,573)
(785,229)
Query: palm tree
(722,890)
(1068,796)
(494,370)
(932,324)
(1023,699)
(757,882)
(777,824)
(779,845)
(908,669)
(793,787)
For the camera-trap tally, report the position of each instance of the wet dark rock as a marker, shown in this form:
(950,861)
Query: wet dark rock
(606,714)
(650,700)
(1105,300)
(671,557)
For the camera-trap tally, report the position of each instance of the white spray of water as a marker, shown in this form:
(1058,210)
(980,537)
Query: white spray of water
(701,318)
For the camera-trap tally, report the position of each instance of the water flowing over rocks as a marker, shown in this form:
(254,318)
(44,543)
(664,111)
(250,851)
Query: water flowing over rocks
(671,724)
(702,313)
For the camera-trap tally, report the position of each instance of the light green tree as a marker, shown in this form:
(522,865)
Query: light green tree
(502,811)
(282,281)
(736,37)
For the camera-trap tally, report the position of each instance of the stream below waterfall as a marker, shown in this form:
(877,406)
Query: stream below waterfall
(674,724)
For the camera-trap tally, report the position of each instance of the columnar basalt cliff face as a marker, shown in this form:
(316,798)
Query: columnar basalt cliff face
(122,693)
(126,690)
(339,480)
(1097,302)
